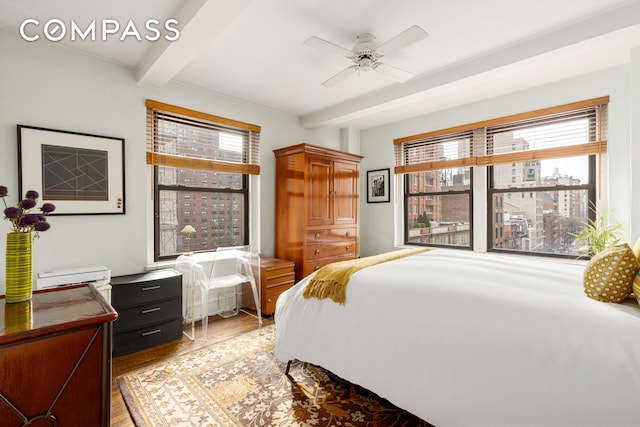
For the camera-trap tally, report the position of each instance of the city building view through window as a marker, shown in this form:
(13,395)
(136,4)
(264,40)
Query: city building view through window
(534,206)
(438,209)
(214,203)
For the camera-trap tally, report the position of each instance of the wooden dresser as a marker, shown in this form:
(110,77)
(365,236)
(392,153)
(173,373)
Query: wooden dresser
(55,359)
(317,197)
(276,276)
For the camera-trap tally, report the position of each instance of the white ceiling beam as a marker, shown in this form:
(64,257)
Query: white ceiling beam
(390,98)
(200,21)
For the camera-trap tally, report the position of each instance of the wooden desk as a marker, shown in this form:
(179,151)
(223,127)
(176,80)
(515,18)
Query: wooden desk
(55,358)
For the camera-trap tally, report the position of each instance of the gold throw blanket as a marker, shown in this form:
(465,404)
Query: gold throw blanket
(331,280)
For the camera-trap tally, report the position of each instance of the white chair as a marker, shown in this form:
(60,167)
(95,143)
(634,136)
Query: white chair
(192,274)
(228,269)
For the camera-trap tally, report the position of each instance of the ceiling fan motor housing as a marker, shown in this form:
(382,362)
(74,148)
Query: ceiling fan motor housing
(365,58)
(364,55)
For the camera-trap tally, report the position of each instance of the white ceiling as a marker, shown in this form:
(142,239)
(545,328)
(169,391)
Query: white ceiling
(253,49)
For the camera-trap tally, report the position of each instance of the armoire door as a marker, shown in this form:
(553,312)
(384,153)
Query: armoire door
(345,192)
(319,190)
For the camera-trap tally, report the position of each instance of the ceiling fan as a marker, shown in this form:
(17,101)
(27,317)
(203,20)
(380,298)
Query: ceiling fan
(365,56)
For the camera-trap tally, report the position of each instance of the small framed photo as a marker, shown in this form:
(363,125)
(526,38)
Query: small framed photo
(378,186)
(81,174)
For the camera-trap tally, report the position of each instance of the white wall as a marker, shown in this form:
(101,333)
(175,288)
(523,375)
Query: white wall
(634,158)
(377,220)
(46,85)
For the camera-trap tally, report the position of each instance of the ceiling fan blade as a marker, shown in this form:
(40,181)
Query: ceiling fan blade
(340,76)
(409,36)
(393,72)
(327,46)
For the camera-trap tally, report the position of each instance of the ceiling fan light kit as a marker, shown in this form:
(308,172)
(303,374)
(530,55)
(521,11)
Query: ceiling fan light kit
(365,56)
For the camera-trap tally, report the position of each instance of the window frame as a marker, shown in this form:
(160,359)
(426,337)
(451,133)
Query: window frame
(593,145)
(590,186)
(408,195)
(201,158)
(157,188)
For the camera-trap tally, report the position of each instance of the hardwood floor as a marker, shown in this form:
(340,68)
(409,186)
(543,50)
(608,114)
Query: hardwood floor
(219,329)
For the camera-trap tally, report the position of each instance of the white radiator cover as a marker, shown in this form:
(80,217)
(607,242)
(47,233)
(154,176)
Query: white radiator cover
(99,276)
(220,301)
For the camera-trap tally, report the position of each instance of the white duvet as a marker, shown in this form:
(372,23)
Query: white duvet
(467,339)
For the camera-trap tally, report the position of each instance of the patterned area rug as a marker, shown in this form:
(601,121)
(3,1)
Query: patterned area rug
(239,382)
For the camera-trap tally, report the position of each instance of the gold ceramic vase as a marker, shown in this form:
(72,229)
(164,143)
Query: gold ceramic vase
(19,274)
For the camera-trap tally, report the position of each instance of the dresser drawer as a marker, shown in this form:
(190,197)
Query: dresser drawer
(139,289)
(311,266)
(149,336)
(271,296)
(288,277)
(146,314)
(330,235)
(317,252)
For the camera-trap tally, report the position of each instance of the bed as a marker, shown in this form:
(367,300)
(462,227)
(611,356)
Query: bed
(470,339)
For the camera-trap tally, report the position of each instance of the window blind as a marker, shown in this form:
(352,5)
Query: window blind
(435,152)
(564,131)
(183,138)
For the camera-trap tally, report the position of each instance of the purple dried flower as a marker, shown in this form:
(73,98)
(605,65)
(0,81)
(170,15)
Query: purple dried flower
(42,226)
(22,221)
(48,207)
(27,203)
(30,219)
(12,212)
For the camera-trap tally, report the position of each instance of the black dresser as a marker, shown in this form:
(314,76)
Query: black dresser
(149,307)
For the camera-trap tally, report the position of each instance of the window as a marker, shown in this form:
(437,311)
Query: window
(542,170)
(197,156)
(438,211)
(556,191)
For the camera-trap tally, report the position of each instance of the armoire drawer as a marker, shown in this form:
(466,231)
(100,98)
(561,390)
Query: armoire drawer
(330,235)
(311,266)
(339,249)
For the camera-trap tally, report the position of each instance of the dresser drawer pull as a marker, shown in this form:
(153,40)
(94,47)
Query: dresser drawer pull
(317,267)
(150,288)
(150,310)
(348,247)
(317,236)
(317,252)
(155,331)
(348,233)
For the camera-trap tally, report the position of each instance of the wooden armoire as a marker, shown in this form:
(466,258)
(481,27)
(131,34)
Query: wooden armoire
(317,197)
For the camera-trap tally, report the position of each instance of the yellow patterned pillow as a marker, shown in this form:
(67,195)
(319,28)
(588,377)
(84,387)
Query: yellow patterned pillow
(609,275)
(636,287)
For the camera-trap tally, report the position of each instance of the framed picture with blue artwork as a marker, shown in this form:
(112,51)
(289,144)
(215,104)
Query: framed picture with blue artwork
(82,174)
